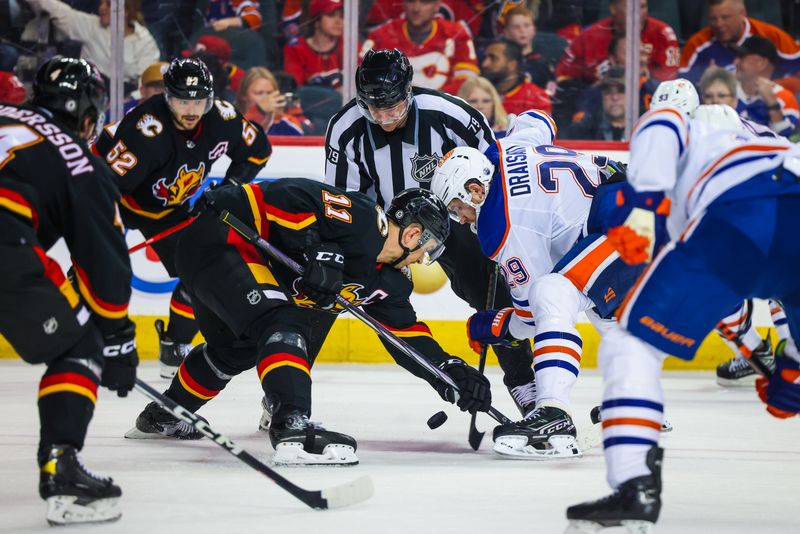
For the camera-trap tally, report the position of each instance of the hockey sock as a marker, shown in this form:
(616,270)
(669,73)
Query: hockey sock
(198,379)
(182,326)
(738,328)
(556,360)
(779,319)
(633,408)
(516,363)
(67,395)
(285,373)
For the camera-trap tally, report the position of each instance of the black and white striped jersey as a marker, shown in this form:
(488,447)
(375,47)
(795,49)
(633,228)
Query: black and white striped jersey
(360,156)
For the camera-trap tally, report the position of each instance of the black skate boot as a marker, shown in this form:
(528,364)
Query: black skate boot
(73,494)
(524,397)
(170,353)
(635,504)
(298,442)
(547,433)
(156,423)
(737,372)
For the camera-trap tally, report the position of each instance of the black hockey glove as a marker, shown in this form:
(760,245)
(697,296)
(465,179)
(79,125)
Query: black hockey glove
(474,393)
(322,279)
(121,358)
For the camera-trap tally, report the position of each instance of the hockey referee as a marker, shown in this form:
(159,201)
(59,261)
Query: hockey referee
(391,137)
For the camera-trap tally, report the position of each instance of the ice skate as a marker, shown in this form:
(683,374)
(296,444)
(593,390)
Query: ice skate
(634,505)
(157,423)
(524,397)
(547,433)
(298,443)
(737,372)
(74,494)
(170,353)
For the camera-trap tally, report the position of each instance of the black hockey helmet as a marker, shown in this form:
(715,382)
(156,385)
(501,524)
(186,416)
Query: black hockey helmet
(189,79)
(71,89)
(383,79)
(422,207)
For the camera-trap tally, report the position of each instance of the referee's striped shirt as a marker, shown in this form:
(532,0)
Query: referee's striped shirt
(360,156)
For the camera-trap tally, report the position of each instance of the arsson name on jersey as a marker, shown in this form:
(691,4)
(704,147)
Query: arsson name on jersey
(73,154)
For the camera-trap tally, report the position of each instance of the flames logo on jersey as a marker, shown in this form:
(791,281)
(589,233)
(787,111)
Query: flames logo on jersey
(182,187)
(350,291)
(149,125)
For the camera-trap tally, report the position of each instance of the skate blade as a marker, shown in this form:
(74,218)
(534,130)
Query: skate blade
(292,454)
(64,510)
(167,371)
(135,433)
(746,381)
(591,527)
(557,447)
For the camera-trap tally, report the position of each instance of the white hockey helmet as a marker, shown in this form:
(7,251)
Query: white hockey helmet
(718,117)
(678,93)
(456,170)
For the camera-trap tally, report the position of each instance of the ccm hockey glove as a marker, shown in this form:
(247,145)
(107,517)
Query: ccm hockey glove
(322,278)
(638,225)
(120,360)
(474,393)
(781,391)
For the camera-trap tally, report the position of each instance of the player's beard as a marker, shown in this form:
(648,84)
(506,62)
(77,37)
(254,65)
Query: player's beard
(183,121)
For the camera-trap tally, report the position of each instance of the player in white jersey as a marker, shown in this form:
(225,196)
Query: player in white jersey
(736,198)
(737,327)
(530,202)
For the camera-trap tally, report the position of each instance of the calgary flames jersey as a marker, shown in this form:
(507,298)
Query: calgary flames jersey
(158,167)
(448,52)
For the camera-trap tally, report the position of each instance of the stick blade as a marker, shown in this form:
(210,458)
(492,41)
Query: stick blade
(352,492)
(475,438)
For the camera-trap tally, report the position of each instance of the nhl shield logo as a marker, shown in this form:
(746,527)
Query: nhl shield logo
(50,326)
(254,297)
(422,167)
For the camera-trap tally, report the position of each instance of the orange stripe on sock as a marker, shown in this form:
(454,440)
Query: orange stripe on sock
(191,385)
(632,421)
(557,349)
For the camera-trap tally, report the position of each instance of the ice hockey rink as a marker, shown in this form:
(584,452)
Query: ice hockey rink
(729,467)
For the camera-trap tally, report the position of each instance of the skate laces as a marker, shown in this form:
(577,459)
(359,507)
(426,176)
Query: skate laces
(737,364)
(89,473)
(524,394)
(183,349)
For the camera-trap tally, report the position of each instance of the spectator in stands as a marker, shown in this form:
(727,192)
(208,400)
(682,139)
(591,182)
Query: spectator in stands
(317,58)
(93,32)
(224,14)
(607,124)
(481,95)
(11,89)
(441,52)
(219,48)
(761,100)
(728,27)
(260,101)
(540,67)
(501,64)
(467,11)
(587,53)
(152,83)
(719,86)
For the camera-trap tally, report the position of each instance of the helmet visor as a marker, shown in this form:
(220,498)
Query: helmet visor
(388,115)
(431,246)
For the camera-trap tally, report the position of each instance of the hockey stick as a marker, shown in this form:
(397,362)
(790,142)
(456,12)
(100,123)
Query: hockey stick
(476,436)
(161,235)
(340,496)
(253,237)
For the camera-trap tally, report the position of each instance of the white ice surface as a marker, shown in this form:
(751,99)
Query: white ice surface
(729,467)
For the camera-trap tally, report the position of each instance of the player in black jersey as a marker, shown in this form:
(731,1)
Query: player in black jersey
(51,186)
(255,312)
(391,137)
(161,154)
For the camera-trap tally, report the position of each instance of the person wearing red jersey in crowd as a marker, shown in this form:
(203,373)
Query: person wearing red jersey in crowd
(588,52)
(441,52)
(261,102)
(540,50)
(501,65)
(317,58)
(469,12)
(11,89)
(728,28)
(221,49)
(224,14)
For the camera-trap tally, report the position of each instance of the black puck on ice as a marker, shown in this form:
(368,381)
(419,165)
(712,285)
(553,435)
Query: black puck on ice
(437,420)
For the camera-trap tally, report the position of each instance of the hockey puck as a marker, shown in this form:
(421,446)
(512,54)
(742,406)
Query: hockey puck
(437,420)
